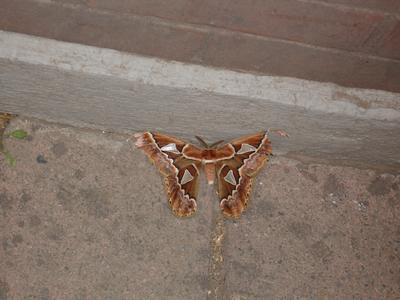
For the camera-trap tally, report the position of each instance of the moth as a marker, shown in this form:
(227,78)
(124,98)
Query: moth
(234,166)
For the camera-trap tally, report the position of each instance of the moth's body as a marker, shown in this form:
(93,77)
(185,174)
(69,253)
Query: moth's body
(234,164)
(208,157)
(209,170)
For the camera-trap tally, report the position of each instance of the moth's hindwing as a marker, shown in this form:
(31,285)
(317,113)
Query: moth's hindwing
(235,175)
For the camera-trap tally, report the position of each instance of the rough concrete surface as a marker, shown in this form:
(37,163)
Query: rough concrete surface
(83,215)
(110,90)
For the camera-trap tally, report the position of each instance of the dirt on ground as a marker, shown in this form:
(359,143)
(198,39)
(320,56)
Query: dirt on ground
(84,215)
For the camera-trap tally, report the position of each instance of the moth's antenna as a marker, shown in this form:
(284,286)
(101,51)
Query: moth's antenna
(278,131)
(216,143)
(201,141)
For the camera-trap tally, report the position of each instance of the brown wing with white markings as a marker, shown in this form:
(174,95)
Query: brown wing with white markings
(235,175)
(180,174)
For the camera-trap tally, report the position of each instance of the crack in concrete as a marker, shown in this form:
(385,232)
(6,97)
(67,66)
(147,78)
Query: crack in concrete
(217,272)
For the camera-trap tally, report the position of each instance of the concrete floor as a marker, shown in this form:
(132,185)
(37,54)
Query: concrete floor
(89,220)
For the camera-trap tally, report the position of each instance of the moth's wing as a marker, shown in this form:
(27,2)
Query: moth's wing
(235,175)
(182,188)
(181,174)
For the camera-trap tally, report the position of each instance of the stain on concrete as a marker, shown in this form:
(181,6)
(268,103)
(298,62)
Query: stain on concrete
(9,243)
(204,253)
(263,208)
(5,203)
(40,159)
(201,230)
(244,249)
(44,293)
(65,197)
(257,289)
(56,232)
(342,96)
(25,198)
(6,244)
(59,149)
(137,245)
(380,186)
(244,295)
(2,177)
(79,174)
(202,280)
(4,289)
(139,220)
(248,272)
(333,188)
(301,230)
(17,239)
(96,202)
(40,261)
(90,238)
(34,221)
(37,127)
(304,170)
(321,250)
(81,294)
(355,243)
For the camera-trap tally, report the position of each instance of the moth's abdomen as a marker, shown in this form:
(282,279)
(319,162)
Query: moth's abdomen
(209,169)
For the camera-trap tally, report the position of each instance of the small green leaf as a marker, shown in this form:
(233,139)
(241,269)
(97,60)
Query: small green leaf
(9,158)
(19,134)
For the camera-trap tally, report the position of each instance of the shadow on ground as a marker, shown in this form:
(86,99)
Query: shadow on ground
(83,215)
